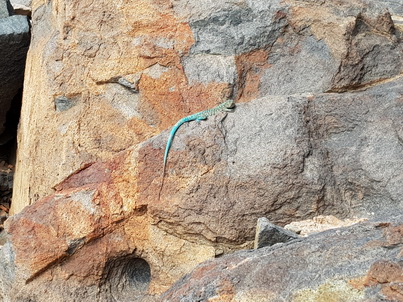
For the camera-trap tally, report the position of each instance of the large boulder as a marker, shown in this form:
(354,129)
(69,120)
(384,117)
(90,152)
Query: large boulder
(180,58)
(359,263)
(117,229)
(5,9)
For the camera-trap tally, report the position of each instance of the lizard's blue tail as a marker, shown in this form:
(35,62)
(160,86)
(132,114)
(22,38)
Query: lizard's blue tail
(171,136)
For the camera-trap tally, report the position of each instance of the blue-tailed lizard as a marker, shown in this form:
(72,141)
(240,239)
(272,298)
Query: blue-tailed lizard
(226,106)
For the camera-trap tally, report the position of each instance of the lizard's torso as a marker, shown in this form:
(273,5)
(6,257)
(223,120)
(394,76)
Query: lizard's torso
(226,106)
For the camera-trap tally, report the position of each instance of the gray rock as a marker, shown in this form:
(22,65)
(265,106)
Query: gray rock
(27,3)
(371,56)
(332,154)
(237,30)
(205,68)
(63,103)
(7,271)
(22,7)
(14,42)
(5,8)
(305,54)
(285,157)
(359,263)
(395,7)
(308,70)
(359,137)
(268,234)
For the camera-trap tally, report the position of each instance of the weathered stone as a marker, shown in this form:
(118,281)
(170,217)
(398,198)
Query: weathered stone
(268,234)
(320,223)
(88,234)
(5,9)
(7,271)
(102,224)
(395,7)
(358,263)
(238,29)
(22,7)
(63,103)
(323,57)
(338,154)
(27,3)
(189,56)
(215,189)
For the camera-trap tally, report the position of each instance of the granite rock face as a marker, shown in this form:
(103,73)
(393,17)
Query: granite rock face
(94,240)
(358,263)
(182,57)
(108,226)
(317,131)
(325,154)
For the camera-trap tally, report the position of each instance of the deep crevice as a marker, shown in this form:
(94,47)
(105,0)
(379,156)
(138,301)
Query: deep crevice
(8,150)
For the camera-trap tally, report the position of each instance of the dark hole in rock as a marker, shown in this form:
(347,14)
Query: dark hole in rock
(8,138)
(126,278)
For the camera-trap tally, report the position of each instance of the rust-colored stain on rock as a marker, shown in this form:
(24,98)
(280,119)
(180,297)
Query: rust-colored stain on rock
(250,68)
(389,275)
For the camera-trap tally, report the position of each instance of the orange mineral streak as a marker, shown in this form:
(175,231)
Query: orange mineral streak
(250,68)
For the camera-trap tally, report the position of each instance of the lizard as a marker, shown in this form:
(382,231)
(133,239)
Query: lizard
(226,106)
(202,115)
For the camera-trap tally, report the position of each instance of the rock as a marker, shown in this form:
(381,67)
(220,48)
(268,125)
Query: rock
(189,57)
(86,235)
(14,41)
(332,154)
(7,270)
(5,9)
(63,103)
(108,215)
(320,223)
(268,234)
(27,3)
(94,219)
(357,263)
(393,6)
(22,7)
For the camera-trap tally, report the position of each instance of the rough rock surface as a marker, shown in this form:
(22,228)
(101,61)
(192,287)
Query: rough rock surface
(268,234)
(320,223)
(22,7)
(331,153)
(5,9)
(359,263)
(110,212)
(185,56)
(317,130)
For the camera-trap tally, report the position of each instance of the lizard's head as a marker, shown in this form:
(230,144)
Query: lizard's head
(229,104)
